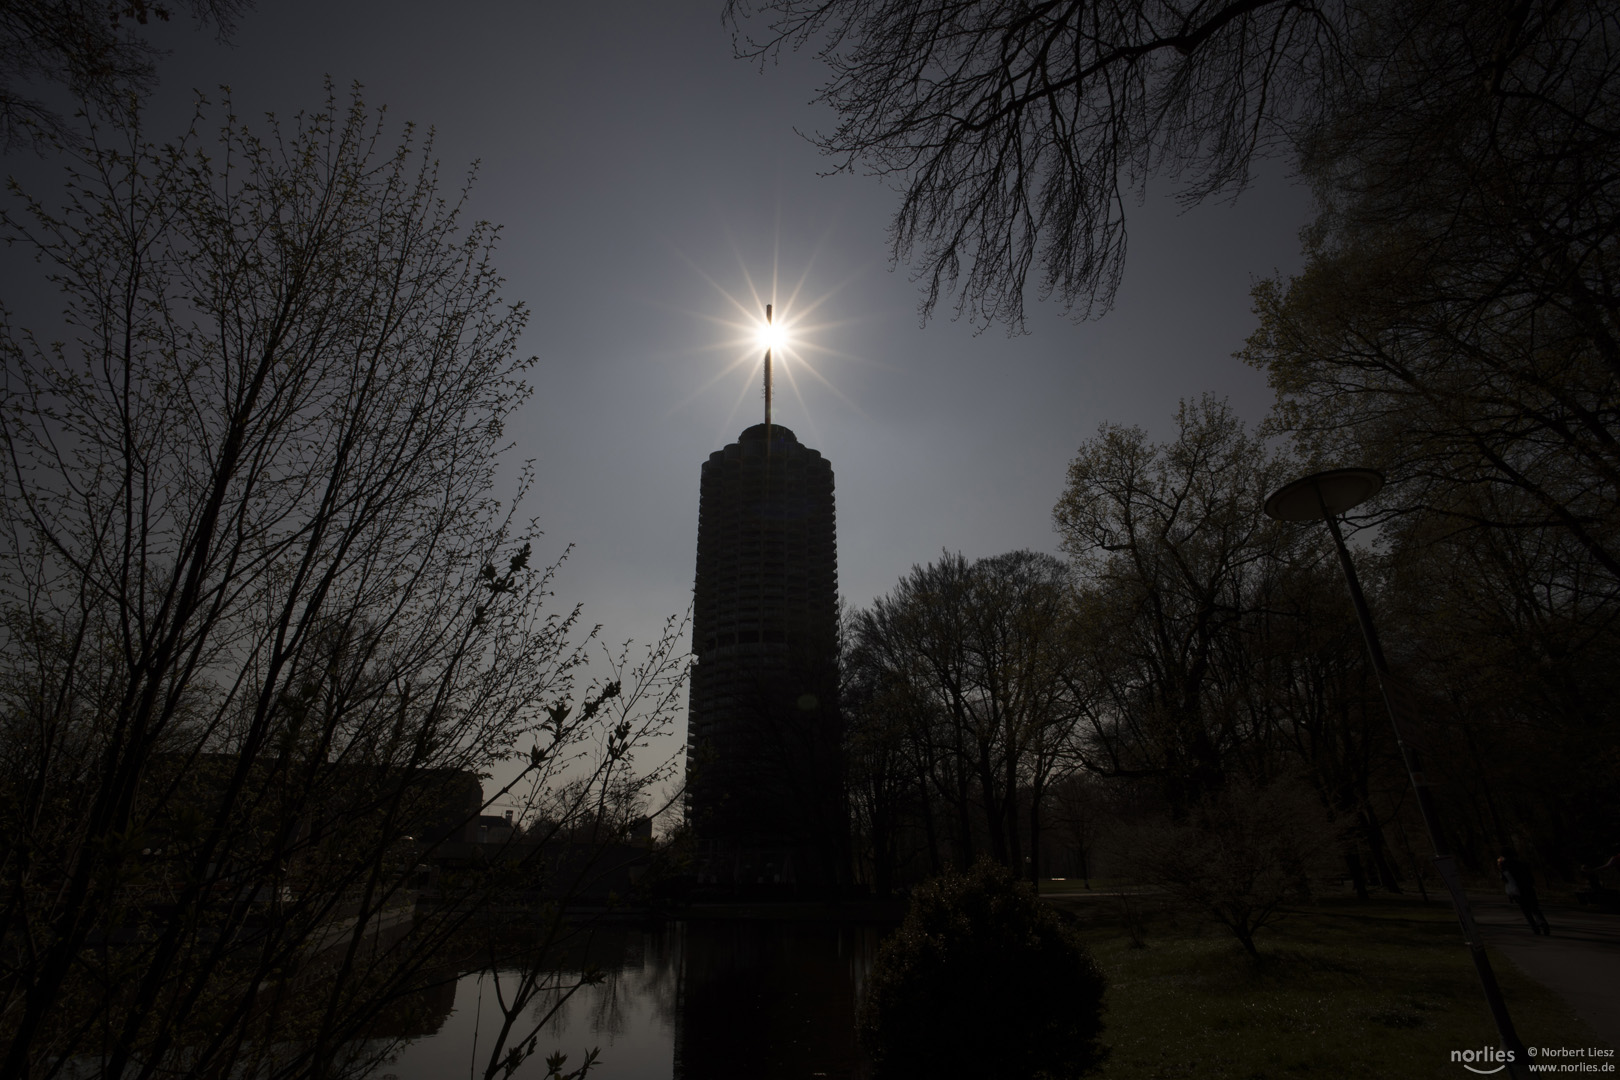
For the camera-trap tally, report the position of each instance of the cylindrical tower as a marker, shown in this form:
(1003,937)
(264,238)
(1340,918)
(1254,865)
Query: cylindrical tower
(764,782)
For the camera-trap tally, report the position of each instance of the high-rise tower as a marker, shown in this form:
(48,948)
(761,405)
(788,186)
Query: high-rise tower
(764,784)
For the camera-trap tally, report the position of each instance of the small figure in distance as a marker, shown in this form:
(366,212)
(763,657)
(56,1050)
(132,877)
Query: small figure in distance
(1521,889)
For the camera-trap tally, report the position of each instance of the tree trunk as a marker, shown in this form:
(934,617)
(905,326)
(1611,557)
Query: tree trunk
(929,830)
(963,821)
(1358,875)
(995,809)
(1035,835)
(1380,853)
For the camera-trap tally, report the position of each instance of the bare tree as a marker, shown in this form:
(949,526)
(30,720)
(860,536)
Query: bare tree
(882,780)
(1079,816)
(1240,856)
(1022,608)
(1213,647)
(1314,705)
(1169,543)
(1018,131)
(94,49)
(264,615)
(968,659)
(1457,326)
(913,638)
(1458,321)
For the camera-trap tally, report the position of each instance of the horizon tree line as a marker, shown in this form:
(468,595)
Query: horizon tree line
(1018,705)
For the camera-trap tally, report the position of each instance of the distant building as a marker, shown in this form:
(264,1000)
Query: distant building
(492,829)
(764,781)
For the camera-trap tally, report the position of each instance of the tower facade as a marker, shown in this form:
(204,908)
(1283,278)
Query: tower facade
(764,789)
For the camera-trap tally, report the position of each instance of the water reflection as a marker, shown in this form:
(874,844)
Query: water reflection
(695,1000)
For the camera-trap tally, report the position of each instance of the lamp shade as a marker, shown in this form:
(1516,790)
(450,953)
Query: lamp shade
(1336,489)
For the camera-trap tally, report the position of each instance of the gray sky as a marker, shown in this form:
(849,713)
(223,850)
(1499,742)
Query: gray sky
(642,175)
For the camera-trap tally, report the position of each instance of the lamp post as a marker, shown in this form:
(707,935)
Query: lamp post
(1326,495)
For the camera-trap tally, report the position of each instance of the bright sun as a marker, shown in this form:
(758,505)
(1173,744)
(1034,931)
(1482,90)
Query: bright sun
(790,338)
(771,335)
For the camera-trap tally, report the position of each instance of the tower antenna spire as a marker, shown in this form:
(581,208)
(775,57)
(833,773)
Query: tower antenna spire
(767,380)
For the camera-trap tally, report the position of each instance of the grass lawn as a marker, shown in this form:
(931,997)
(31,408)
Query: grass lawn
(1379,989)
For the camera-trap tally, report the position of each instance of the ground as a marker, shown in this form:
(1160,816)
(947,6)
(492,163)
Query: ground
(1382,988)
(1580,961)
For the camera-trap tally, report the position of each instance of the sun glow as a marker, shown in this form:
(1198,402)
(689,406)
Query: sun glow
(779,328)
(772,335)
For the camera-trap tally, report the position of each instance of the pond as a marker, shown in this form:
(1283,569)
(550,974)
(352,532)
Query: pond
(681,1000)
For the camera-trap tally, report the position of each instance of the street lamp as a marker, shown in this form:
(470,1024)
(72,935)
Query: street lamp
(1326,495)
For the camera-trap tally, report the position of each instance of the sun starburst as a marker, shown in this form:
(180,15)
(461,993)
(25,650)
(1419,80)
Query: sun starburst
(772,336)
(788,336)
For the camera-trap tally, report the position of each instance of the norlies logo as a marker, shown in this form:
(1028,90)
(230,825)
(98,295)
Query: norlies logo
(1485,1055)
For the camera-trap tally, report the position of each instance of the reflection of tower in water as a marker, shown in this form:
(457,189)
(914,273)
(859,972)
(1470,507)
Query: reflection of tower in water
(763,784)
(767,999)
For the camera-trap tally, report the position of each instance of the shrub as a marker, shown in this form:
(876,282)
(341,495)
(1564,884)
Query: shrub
(982,979)
(1239,856)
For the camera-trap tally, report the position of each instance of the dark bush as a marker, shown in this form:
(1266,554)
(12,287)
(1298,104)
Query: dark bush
(984,980)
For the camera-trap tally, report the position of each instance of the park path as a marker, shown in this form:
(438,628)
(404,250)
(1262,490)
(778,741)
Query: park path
(1580,961)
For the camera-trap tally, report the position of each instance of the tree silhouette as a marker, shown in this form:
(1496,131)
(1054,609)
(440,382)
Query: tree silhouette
(1017,132)
(265,622)
(92,48)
